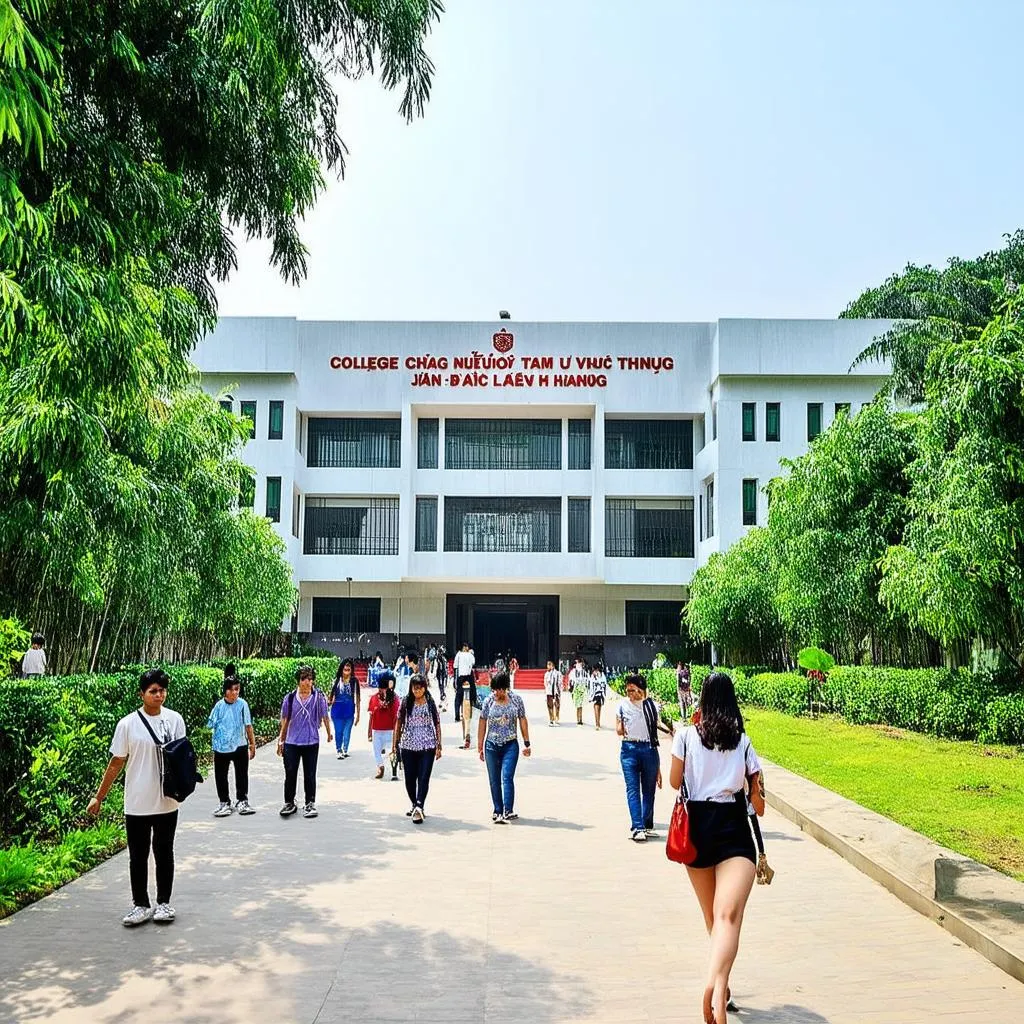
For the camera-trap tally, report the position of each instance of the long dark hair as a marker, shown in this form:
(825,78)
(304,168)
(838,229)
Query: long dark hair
(721,721)
(409,699)
(385,693)
(336,688)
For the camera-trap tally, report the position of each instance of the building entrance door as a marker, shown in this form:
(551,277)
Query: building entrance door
(523,625)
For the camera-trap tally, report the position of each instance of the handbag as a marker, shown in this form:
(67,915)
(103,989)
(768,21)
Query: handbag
(679,846)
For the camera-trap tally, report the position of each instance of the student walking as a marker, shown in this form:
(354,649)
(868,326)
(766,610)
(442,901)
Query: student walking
(150,818)
(578,684)
(553,693)
(501,715)
(376,670)
(638,722)
(417,737)
(303,711)
(717,762)
(442,676)
(402,674)
(597,689)
(684,691)
(33,661)
(464,665)
(234,743)
(343,702)
(383,714)
(513,668)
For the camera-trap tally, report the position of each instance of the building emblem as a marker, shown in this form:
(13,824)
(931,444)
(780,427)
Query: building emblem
(503,341)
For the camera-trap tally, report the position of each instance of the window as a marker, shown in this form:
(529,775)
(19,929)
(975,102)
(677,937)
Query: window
(346,614)
(579,444)
(274,499)
(351,526)
(426,524)
(579,524)
(772,421)
(426,444)
(225,404)
(842,409)
(700,515)
(275,424)
(296,510)
(247,490)
(749,414)
(709,505)
(813,420)
(749,502)
(503,444)
(654,618)
(648,527)
(503,524)
(354,443)
(249,413)
(714,421)
(648,444)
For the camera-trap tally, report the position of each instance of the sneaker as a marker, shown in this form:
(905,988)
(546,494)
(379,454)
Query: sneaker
(244,807)
(417,815)
(164,913)
(137,916)
(287,810)
(380,773)
(639,835)
(341,756)
(408,813)
(651,834)
(510,816)
(551,723)
(223,810)
(498,819)
(310,811)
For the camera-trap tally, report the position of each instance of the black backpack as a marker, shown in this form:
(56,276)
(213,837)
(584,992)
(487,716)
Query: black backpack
(180,773)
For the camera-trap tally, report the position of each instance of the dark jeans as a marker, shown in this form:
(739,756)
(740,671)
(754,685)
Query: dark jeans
(442,687)
(460,690)
(307,753)
(240,759)
(640,769)
(144,830)
(417,765)
(501,773)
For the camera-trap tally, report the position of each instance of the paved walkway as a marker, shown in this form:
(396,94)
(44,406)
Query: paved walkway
(361,916)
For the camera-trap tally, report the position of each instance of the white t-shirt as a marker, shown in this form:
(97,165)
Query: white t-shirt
(463,663)
(714,775)
(553,680)
(632,716)
(33,662)
(143,787)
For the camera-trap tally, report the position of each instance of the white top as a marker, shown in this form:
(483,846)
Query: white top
(632,717)
(143,786)
(33,662)
(714,775)
(463,663)
(553,680)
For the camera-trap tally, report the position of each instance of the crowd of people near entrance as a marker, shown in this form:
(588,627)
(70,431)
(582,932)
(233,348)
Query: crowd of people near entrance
(713,766)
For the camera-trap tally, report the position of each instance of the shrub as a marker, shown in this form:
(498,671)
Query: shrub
(1004,720)
(781,691)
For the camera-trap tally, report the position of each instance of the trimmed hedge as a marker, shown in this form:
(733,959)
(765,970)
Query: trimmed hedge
(55,732)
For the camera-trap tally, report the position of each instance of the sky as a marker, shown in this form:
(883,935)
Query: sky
(670,160)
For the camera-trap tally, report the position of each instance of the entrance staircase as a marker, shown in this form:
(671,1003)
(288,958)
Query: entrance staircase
(530,679)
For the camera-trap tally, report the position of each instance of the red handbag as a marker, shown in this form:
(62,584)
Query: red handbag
(679,846)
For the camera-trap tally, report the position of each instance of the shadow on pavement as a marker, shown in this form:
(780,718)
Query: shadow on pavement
(787,1014)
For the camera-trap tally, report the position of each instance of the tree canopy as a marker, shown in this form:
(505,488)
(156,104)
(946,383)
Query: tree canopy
(135,140)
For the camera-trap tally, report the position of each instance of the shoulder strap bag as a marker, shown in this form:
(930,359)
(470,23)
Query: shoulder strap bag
(179,773)
(679,846)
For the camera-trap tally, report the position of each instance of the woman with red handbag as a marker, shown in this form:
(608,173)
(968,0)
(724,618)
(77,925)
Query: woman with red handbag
(712,762)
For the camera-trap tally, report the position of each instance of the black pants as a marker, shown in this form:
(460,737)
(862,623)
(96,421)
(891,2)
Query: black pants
(221,762)
(307,753)
(460,688)
(144,830)
(442,686)
(417,764)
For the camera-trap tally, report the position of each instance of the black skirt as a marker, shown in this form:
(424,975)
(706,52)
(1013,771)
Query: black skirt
(720,831)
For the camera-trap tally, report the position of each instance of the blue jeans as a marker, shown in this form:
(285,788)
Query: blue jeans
(501,773)
(342,726)
(640,769)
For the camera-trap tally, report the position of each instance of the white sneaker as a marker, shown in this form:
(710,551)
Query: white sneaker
(417,815)
(164,913)
(223,810)
(639,836)
(244,807)
(137,916)
(651,833)
(310,811)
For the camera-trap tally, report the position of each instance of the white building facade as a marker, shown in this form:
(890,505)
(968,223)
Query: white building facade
(539,488)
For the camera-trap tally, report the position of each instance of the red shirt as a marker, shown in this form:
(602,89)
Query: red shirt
(382,717)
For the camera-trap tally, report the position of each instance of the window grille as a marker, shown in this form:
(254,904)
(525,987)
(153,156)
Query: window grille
(648,444)
(579,524)
(426,524)
(351,526)
(579,444)
(346,615)
(654,618)
(772,421)
(648,528)
(354,443)
(502,524)
(426,443)
(502,444)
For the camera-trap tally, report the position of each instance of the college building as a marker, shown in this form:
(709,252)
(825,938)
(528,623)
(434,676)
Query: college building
(535,488)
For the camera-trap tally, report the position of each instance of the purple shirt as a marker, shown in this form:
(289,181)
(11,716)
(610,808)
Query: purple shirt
(304,721)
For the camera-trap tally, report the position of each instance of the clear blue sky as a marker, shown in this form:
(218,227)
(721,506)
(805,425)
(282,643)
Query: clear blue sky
(667,160)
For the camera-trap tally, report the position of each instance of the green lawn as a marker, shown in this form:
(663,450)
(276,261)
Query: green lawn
(967,796)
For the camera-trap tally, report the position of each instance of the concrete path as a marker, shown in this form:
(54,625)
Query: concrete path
(361,916)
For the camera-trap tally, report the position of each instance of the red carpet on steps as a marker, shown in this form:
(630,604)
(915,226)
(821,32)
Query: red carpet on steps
(526,678)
